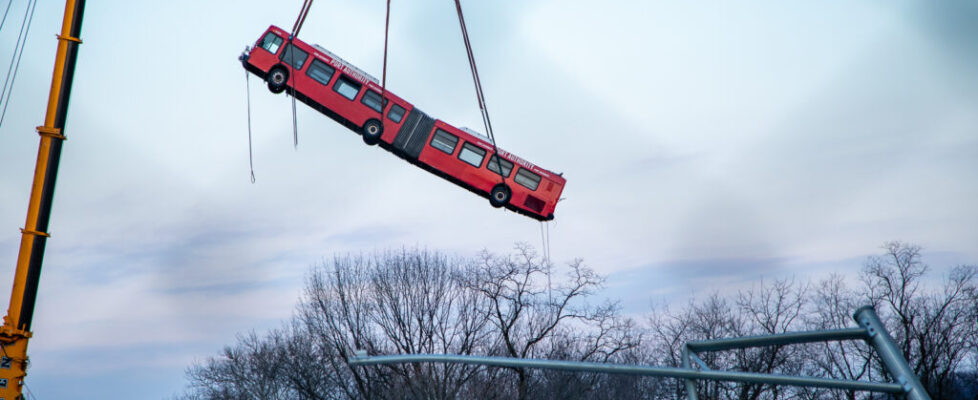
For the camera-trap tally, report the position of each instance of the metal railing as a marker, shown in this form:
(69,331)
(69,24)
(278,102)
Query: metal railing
(870,330)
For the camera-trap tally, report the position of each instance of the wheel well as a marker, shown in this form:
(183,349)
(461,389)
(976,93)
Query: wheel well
(278,66)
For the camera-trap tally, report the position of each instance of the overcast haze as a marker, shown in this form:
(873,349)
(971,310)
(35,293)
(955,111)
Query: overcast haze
(705,146)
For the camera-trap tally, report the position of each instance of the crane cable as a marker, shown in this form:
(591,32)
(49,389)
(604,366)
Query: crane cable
(5,11)
(25,29)
(478,91)
(301,19)
(545,247)
(306,4)
(251,158)
(383,76)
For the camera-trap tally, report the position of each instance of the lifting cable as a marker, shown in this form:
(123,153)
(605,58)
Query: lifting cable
(251,161)
(545,246)
(306,4)
(25,29)
(5,11)
(383,76)
(478,90)
(295,123)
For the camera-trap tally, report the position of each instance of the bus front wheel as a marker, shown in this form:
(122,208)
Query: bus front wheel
(278,77)
(372,130)
(499,196)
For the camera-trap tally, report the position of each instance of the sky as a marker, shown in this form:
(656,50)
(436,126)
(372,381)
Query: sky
(707,146)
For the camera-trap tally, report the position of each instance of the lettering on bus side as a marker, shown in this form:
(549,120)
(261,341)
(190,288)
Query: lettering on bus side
(343,67)
(520,161)
(355,74)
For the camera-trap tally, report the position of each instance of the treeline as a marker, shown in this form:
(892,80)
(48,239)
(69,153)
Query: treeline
(417,301)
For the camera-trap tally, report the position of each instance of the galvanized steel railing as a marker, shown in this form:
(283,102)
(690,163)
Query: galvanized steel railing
(871,330)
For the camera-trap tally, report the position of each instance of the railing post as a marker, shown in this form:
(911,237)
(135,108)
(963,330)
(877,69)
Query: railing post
(690,383)
(892,358)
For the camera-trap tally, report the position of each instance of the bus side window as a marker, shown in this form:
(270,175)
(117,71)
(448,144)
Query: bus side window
(347,87)
(371,99)
(320,71)
(396,113)
(294,54)
(528,179)
(472,154)
(444,141)
(270,42)
(495,162)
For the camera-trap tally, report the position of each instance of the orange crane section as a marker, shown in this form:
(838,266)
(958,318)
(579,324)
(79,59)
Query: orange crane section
(16,329)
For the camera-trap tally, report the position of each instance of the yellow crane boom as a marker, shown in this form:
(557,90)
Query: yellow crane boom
(16,329)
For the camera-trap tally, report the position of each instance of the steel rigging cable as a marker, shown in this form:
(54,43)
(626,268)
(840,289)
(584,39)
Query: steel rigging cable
(25,29)
(251,162)
(306,4)
(383,76)
(478,90)
(5,11)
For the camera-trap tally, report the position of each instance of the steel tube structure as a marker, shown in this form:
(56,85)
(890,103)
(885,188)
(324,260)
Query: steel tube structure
(871,330)
(778,339)
(689,383)
(891,355)
(681,373)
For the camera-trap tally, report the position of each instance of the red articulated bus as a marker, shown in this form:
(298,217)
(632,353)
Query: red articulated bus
(352,97)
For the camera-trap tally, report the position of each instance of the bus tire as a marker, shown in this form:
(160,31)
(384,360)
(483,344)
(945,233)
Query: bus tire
(278,78)
(372,130)
(500,195)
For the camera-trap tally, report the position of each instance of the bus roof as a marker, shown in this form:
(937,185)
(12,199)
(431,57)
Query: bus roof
(475,133)
(346,64)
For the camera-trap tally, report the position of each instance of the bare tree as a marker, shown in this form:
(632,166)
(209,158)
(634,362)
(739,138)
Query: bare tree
(711,318)
(770,310)
(532,319)
(404,302)
(246,371)
(831,307)
(415,301)
(934,329)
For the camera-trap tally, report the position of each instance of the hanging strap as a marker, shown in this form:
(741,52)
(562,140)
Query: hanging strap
(478,89)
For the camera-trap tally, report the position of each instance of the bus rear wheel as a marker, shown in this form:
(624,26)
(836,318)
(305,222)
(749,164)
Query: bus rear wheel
(500,195)
(278,77)
(372,130)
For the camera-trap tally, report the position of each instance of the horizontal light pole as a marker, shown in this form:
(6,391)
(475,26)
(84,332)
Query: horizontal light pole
(680,373)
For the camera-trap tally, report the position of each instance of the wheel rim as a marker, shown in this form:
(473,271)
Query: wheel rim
(501,196)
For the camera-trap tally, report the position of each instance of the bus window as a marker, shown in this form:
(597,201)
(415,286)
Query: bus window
(494,166)
(372,100)
(270,42)
(320,71)
(396,113)
(294,54)
(472,154)
(444,141)
(527,179)
(347,87)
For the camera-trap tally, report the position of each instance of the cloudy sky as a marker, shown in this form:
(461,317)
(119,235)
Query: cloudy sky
(706,146)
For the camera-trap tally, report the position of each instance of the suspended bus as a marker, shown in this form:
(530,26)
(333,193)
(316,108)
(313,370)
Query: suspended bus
(352,97)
